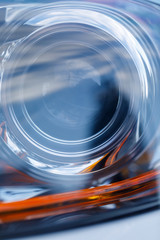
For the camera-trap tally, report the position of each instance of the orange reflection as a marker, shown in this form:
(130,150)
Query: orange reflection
(62,203)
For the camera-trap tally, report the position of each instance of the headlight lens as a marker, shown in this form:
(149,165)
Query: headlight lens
(79,116)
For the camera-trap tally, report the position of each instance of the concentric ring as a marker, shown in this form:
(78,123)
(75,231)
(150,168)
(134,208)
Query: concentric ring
(75,87)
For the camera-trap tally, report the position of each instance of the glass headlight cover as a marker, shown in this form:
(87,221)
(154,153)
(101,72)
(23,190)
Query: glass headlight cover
(79,115)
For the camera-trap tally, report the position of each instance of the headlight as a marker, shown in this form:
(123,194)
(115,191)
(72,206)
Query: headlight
(79,116)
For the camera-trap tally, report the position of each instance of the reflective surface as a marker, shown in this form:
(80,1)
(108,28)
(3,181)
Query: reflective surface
(73,88)
(146,225)
(79,110)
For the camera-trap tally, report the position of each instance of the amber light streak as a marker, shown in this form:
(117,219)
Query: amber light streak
(57,204)
(109,158)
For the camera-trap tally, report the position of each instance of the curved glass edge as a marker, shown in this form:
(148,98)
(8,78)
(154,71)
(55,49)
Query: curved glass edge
(15,182)
(85,218)
(136,13)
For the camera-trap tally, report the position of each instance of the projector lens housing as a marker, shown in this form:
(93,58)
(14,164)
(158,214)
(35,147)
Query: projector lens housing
(79,110)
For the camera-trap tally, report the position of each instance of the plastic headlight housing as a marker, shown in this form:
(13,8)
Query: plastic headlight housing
(79,114)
